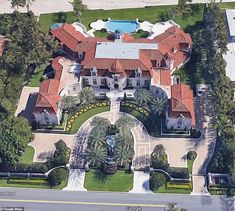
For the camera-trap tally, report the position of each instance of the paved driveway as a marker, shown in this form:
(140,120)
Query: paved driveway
(44,144)
(27,102)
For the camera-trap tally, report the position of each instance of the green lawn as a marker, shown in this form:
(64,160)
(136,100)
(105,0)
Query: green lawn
(27,157)
(191,161)
(85,116)
(95,180)
(35,78)
(163,189)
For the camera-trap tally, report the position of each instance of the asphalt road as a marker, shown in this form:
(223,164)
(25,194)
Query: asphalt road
(57,200)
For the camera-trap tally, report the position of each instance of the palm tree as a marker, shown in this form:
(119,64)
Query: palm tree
(124,153)
(143,97)
(78,8)
(100,122)
(87,96)
(29,2)
(158,106)
(96,154)
(125,121)
(17,3)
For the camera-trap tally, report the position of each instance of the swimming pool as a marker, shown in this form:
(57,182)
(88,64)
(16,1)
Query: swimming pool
(121,26)
(56,25)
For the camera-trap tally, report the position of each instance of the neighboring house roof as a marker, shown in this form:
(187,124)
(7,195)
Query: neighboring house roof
(67,35)
(181,102)
(2,44)
(48,96)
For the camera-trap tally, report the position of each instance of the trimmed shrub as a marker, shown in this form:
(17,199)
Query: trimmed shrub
(28,181)
(57,176)
(179,185)
(179,172)
(24,168)
(156,181)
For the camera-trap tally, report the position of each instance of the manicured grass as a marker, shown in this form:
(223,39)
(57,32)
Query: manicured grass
(151,14)
(191,161)
(35,79)
(27,157)
(95,180)
(163,189)
(85,116)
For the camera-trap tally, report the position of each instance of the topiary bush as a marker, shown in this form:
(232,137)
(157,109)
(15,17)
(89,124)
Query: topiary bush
(57,176)
(157,180)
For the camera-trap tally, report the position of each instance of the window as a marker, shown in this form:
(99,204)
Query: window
(86,81)
(146,83)
(138,83)
(93,73)
(129,82)
(94,81)
(115,78)
(102,81)
(74,89)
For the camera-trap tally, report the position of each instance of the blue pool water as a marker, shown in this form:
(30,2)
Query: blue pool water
(121,26)
(56,25)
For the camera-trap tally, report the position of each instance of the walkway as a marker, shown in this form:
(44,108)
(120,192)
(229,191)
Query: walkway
(141,182)
(44,144)
(26,102)
(76,180)
(51,6)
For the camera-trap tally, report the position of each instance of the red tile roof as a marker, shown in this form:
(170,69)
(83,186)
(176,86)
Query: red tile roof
(181,102)
(48,96)
(57,67)
(67,35)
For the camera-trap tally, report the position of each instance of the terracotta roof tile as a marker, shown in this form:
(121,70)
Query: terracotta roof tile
(182,102)
(68,36)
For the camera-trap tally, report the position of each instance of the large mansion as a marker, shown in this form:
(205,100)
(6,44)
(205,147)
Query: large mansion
(119,62)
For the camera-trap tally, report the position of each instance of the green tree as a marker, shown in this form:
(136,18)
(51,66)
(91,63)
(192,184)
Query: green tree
(17,3)
(87,96)
(57,176)
(156,181)
(158,106)
(78,8)
(15,133)
(125,122)
(96,154)
(143,97)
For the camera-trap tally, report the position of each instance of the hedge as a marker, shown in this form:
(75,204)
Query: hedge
(177,172)
(28,182)
(179,185)
(25,168)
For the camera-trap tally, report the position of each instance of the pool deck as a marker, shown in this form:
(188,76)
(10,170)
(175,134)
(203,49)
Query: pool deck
(153,29)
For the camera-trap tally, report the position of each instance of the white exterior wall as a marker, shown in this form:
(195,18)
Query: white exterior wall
(40,118)
(163,92)
(142,81)
(172,122)
(71,90)
(122,83)
(90,80)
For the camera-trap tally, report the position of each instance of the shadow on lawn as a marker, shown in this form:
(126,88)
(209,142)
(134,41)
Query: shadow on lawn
(101,176)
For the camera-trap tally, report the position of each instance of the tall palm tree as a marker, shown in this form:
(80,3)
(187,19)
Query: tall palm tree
(158,106)
(143,97)
(100,122)
(125,121)
(28,3)
(124,153)
(87,96)
(96,154)
(17,3)
(78,8)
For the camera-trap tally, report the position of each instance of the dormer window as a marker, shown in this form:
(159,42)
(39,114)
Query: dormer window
(115,77)
(94,71)
(138,73)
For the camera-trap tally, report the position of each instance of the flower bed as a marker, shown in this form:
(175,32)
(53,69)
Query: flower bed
(79,117)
